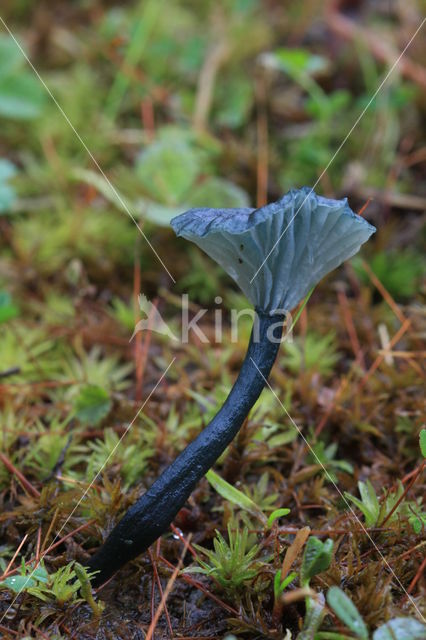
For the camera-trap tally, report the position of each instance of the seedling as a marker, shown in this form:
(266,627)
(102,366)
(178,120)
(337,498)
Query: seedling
(231,563)
(316,559)
(59,587)
(374,512)
(389,508)
(276,254)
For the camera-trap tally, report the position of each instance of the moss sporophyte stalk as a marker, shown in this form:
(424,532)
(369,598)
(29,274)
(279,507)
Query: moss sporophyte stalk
(276,254)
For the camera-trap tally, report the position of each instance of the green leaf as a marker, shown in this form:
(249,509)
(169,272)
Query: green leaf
(422,440)
(92,404)
(347,612)
(368,496)
(316,559)
(235,496)
(280,586)
(21,94)
(10,56)
(401,629)
(277,585)
(369,505)
(291,576)
(8,310)
(313,618)
(278,513)
(417,522)
(21,97)
(18,583)
(28,579)
(218,192)
(370,518)
(40,574)
(167,169)
(299,61)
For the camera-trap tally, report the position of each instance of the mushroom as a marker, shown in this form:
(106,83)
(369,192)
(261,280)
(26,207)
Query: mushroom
(276,254)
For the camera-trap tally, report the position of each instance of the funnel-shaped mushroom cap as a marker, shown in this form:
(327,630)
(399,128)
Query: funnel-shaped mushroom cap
(277,253)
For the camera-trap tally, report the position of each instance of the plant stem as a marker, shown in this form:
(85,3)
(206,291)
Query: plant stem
(152,514)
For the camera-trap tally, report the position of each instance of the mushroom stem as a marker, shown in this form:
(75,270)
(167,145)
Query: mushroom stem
(152,514)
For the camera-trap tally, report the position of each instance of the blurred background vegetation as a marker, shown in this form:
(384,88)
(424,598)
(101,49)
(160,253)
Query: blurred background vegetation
(202,104)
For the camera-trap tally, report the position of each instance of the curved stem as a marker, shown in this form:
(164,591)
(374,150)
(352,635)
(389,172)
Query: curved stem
(152,514)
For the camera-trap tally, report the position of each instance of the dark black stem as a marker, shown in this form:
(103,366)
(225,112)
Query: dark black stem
(152,514)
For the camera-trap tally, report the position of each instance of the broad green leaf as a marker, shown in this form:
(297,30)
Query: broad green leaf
(92,404)
(21,93)
(347,612)
(10,56)
(369,503)
(167,170)
(233,495)
(18,583)
(40,574)
(401,629)
(316,559)
(21,96)
(368,496)
(370,518)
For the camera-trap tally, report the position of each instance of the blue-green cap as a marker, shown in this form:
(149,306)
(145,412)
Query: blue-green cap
(277,253)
